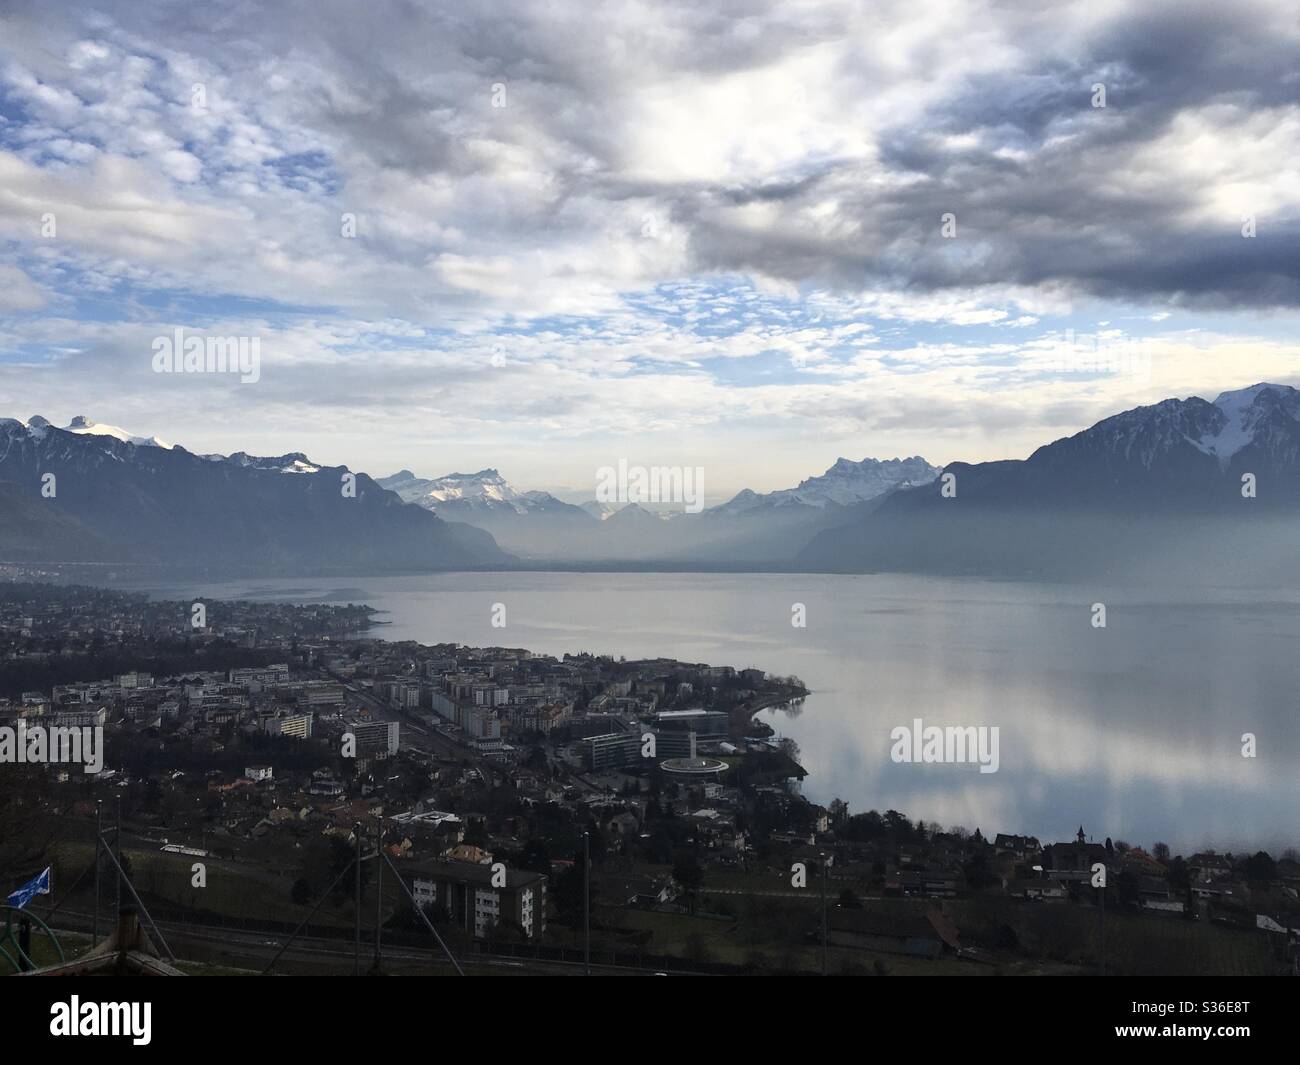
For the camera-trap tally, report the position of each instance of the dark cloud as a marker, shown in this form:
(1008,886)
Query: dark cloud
(1047,190)
(1051,191)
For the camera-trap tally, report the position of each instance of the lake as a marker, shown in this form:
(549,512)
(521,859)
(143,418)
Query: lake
(1133,731)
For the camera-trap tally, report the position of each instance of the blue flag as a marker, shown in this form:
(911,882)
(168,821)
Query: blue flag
(39,886)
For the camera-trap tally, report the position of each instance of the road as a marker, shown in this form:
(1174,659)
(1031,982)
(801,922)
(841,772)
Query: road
(232,948)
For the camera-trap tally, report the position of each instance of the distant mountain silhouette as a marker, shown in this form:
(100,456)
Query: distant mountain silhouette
(1155,490)
(137,500)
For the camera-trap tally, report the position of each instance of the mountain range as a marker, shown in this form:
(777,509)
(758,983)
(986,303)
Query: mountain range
(1183,488)
(94,493)
(750,527)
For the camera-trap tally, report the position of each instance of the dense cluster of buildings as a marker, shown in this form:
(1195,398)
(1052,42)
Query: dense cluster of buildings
(289,728)
(329,730)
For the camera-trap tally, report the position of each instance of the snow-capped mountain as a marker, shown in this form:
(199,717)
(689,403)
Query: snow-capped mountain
(1183,482)
(486,488)
(464,493)
(295,462)
(1264,416)
(750,527)
(150,503)
(82,424)
(528,523)
(1249,415)
(1179,453)
(845,484)
(1191,487)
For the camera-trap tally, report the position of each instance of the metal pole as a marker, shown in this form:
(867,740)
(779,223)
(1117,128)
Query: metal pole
(379,894)
(55,907)
(401,883)
(586,903)
(356,962)
(825,875)
(117,850)
(303,923)
(99,830)
(1103,930)
(122,879)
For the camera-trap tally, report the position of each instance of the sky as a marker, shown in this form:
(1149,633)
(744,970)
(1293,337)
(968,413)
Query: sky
(744,237)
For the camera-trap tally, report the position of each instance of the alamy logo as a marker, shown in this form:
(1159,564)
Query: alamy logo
(651,484)
(38,745)
(180,353)
(976,744)
(1108,352)
(102,1018)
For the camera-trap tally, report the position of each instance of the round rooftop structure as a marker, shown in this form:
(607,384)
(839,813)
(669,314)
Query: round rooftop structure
(694,767)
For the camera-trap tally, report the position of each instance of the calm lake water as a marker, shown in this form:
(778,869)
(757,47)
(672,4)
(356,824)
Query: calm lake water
(1133,730)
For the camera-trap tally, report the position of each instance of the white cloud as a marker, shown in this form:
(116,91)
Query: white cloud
(682,222)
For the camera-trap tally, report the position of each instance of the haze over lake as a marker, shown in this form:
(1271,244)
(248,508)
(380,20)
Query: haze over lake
(1133,731)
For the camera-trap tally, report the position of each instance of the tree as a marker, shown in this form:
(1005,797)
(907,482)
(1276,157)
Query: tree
(1160,852)
(535,857)
(689,876)
(568,894)
(978,874)
(25,830)
(323,860)
(1260,868)
(301,894)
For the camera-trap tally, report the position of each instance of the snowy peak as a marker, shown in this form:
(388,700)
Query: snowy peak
(37,427)
(845,483)
(848,482)
(1248,414)
(294,462)
(487,487)
(40,429)
(1141,435)
(1265,415)
(84,426)
(469,494)
(1261,415)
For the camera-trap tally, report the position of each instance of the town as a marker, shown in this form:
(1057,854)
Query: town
(542,812)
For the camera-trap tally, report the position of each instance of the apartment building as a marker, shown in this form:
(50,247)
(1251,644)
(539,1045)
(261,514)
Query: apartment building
(479,897)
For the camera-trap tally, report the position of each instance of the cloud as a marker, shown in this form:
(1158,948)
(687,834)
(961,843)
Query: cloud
(652,215)
(811,145)
(18,292)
